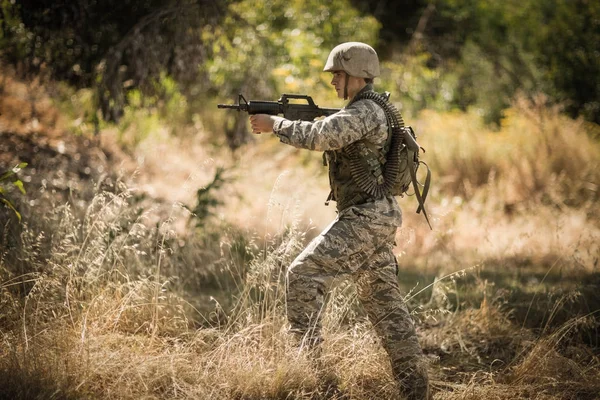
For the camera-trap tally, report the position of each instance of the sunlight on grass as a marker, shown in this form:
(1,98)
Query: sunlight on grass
(122,295)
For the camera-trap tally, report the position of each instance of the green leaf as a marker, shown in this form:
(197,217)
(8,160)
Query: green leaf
(9,204)
(6,175)
(12,171)
(19,167)
(19,184)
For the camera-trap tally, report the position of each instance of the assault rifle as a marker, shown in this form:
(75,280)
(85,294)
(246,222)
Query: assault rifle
(292,111)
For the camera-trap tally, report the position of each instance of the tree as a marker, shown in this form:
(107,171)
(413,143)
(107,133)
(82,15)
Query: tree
(527,46)
(112,45)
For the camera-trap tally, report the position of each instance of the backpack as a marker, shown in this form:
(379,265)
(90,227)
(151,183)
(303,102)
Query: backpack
(402,158)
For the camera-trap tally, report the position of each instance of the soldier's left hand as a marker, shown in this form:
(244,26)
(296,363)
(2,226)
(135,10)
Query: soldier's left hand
(262,123)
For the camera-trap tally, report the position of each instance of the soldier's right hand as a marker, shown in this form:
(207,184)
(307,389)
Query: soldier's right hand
(262,123)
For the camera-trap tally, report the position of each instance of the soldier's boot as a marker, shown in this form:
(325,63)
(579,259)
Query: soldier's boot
(312,345)
(413,381)
(307,340)
(312,348)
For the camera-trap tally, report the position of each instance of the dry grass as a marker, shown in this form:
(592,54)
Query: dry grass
(528,191)
(118,296)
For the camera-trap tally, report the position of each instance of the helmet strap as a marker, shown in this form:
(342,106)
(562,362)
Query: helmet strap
(345,85)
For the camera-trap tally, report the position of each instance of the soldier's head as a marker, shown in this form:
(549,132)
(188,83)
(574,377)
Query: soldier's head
(353,65)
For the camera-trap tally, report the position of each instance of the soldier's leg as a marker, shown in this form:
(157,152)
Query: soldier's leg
(380,295)
(341,249)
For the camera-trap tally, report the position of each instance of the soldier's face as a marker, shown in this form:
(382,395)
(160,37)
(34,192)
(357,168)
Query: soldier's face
(354,84)
(338,81)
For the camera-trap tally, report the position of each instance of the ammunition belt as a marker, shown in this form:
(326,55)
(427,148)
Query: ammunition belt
(391,168)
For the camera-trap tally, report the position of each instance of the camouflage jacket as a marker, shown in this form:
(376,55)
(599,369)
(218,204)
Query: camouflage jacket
(362,120)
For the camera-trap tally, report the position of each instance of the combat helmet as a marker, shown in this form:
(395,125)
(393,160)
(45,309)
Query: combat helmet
(355,58)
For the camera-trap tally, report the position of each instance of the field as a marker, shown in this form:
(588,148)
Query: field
(155,270)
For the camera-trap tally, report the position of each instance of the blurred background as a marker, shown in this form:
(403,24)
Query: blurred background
(439,55)
(132,209)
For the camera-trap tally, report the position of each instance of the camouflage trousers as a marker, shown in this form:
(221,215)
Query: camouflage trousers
(355,247)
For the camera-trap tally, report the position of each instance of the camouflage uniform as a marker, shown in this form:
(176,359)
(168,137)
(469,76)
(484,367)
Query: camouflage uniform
(357,245)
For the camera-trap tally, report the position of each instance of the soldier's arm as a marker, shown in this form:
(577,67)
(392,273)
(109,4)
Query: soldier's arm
(350,124)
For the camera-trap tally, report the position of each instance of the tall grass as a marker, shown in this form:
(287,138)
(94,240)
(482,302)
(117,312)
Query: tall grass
(112,299)
(100,315)
(528,190)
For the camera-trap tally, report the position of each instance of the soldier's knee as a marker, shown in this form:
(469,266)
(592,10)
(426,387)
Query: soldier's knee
(303,267)
(296,273)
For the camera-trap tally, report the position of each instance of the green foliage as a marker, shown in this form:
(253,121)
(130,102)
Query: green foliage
(416,85)
(179,55)
(138,122)
(280,47)
(207,200)
(13,35)
(169,99)
(289,40)
(111,45)
(11,176)
(146,114)
(516,46)
(79,106)
(488,84)
(570,48)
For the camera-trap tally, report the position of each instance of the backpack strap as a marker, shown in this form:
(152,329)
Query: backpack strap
(425,186)
(420,196)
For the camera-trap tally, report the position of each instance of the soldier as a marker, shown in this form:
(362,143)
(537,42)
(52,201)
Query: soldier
(358,244)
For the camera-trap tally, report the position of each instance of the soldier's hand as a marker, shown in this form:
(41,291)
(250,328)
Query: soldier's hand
(262,123)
